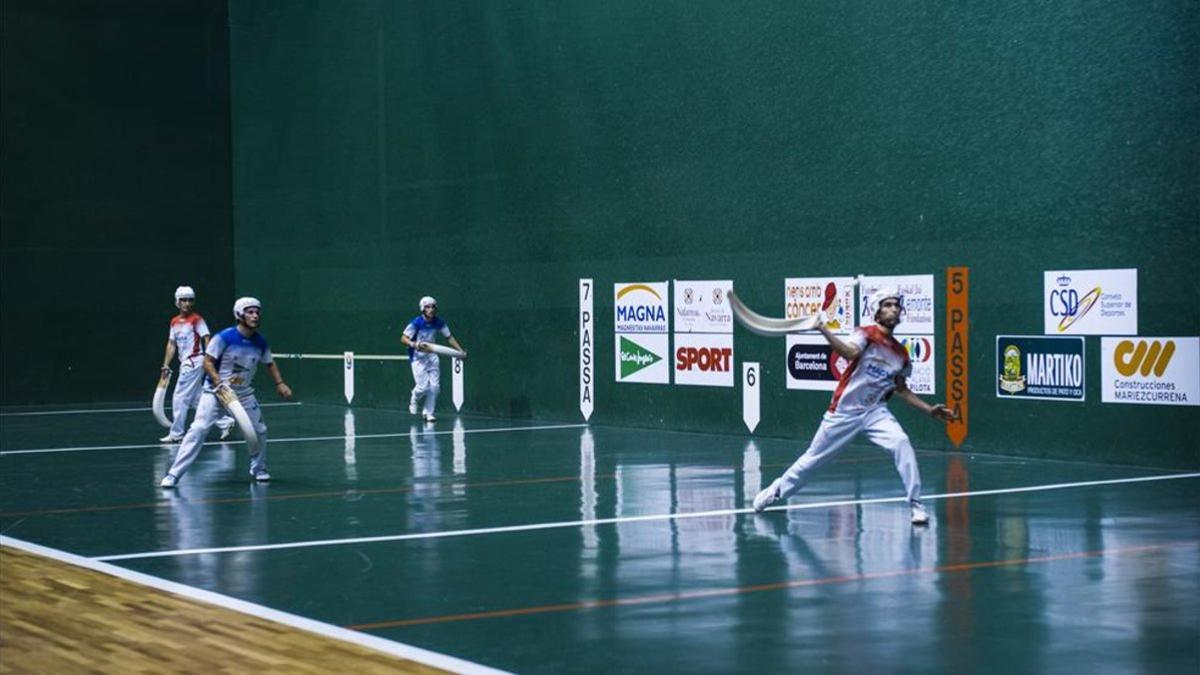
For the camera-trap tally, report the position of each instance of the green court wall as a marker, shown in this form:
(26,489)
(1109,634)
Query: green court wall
(492,154)
(115,189)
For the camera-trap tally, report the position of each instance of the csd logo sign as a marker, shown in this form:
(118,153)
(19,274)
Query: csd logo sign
(1143,356)
(1090,302)
(1067,304)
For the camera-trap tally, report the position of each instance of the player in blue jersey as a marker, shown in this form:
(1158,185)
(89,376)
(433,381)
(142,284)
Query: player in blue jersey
(230,361)
(426,368)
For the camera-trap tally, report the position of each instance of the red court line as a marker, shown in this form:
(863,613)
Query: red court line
(447,482)
(778,586)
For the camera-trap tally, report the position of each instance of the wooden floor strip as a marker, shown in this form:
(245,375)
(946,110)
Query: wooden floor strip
(57,617)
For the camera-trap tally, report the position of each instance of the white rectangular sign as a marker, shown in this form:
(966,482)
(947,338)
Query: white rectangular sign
(705,359)
(1090,302)
(1150,370)
(640,307)
(456,395)
(919,307)
(587,345)
(805,296)
(348,376)
(643,358)
(751,374)
(701,307)
(922,354)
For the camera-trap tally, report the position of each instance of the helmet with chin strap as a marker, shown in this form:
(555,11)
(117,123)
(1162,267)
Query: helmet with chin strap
(242,304)
(427,301)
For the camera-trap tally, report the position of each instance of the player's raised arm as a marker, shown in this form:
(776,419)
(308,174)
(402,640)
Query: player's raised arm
(847,349)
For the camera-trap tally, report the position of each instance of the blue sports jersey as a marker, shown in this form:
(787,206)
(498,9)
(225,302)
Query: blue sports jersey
(420,330)
(237,359)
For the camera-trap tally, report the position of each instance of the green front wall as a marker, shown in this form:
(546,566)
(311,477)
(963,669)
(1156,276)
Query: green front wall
(494,153)
(115,181)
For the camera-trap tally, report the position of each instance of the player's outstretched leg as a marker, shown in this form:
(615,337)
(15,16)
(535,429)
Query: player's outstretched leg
(884,431)
(835,432)
(206,415)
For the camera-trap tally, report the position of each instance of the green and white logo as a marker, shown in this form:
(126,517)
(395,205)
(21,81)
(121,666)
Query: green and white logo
(635,357)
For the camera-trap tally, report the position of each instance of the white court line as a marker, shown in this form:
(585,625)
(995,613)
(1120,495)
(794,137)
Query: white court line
(627,519)
(97,411)
(391,647)
(302,439)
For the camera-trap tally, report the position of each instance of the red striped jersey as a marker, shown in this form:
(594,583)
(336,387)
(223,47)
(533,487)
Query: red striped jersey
(870,379)
(187,333)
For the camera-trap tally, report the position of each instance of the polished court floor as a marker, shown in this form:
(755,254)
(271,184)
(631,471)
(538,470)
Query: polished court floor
(550,548)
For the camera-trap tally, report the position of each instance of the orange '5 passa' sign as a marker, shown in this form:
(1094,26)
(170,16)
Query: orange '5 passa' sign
(957,328)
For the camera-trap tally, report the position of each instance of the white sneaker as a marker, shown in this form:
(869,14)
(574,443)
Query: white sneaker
(261,475)
(412,408)
(919,515)
(225,432)
(170,438)
(168,481)
(430,418)
(765,498)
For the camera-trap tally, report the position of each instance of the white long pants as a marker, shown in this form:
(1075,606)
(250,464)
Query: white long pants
(187,392)
(427,379)
(837,430)
(207,414)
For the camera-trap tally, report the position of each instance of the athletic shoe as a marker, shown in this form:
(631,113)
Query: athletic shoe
(168,481)
(170,438)
(261,475)
(430,418)
(766,498)
(412,408)
(225,432)
(919,515)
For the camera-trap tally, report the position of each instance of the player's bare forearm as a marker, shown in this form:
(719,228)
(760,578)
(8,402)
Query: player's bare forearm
(938,411)
(210,369)
(454,343)
(168,355)
(915,401)
(281,388)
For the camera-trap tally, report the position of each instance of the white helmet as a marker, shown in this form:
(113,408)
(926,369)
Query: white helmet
(427,301)
(882,294)
(243,304)
(184,292)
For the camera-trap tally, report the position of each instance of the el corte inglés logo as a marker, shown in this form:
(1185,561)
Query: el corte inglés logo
(635,357)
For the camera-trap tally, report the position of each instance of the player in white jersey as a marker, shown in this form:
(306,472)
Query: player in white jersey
(187,337)
(230,362)
(879,367)
(426,368)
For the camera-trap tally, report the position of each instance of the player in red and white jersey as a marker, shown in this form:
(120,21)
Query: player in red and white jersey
(187,337)
(879,367)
